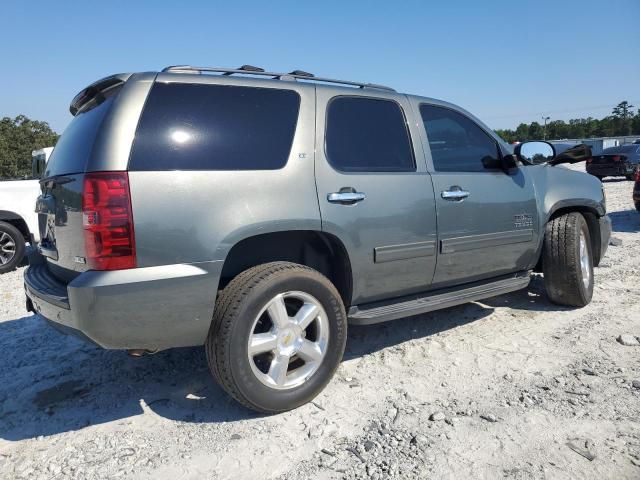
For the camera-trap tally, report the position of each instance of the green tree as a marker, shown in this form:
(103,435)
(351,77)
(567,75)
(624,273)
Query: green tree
(19,136)
(622,121)
(623,110)
(622,114)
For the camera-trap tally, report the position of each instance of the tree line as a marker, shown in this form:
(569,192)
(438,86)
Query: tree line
(621,122)
(19,136)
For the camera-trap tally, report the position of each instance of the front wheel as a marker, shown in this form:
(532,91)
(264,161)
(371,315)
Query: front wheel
(12,247)
(277,337)
(567,260)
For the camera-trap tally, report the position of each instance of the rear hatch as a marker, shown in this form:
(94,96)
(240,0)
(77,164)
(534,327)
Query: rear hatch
(60,204)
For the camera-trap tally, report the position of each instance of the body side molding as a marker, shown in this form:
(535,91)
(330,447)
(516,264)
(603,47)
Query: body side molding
(472,242)
(405,251)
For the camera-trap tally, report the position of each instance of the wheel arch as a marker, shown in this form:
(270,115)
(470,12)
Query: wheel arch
(591,211)
(17,221)
(319,250)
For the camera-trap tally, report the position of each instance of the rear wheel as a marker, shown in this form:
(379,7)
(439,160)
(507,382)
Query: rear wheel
(567,260)
(277,336)
(12,247)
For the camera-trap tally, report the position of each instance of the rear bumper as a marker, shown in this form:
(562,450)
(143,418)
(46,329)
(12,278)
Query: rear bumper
(150,308)
(605,235)
(610,169)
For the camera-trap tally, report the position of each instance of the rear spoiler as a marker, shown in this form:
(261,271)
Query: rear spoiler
(96,90)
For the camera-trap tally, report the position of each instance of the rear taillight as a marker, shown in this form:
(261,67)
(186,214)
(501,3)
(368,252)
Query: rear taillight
(589,160)
(616,158)
(637,174)
(107,220)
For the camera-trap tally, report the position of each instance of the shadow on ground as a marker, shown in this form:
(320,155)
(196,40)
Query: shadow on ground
(627,221)
(51,383)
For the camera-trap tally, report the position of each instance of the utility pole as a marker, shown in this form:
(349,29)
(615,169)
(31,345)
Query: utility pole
(544,135)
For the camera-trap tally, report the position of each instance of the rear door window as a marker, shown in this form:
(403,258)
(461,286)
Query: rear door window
(368,135)
(215,127)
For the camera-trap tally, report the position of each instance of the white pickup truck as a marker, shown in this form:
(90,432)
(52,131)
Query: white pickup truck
(18,220)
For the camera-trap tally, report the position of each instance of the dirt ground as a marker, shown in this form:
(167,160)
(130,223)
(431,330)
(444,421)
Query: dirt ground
(512,387)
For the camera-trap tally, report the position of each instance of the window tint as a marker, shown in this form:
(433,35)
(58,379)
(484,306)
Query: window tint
(365,134)
(457,143)
(74,146)
(215,127)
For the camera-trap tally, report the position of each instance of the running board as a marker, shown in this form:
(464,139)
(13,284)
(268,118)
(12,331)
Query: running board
(427,302)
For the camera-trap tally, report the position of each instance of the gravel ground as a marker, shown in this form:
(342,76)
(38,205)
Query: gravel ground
(511,387)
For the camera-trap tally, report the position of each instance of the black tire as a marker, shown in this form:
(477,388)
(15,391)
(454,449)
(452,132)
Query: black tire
(561,264)
(10,237)
(237,307)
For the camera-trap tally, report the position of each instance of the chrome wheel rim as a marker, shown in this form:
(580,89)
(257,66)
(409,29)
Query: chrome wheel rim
(7,248)
(585,261)
(288,340)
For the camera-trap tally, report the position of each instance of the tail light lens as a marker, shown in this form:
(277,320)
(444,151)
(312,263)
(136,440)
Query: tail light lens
(108,221)
(589,160)
(616,158)
(637,174)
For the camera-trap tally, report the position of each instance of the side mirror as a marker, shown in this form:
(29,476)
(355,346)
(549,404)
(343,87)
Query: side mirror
(535,152)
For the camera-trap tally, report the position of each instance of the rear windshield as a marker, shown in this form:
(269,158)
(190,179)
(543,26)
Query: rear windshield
(74,146)
(622,149)
(215,127)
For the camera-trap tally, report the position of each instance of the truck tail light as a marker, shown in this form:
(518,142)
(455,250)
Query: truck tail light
(637,176)
(616,158)
(107,220)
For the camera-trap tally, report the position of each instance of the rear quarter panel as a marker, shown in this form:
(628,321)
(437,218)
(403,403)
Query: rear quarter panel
(197,216)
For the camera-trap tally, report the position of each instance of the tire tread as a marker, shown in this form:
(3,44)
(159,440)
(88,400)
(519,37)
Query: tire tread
(561,263)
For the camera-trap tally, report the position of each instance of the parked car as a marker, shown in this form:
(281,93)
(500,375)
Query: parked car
(18,219)
(256,213)
(615,161)
(636,190)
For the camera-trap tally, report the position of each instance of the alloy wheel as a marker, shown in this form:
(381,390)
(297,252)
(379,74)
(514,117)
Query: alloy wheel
(288,340)
(7,248)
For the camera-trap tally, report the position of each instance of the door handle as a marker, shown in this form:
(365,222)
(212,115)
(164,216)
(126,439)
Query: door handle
(454,194)
(346,198)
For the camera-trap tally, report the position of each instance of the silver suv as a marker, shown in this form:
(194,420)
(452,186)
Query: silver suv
(258,213)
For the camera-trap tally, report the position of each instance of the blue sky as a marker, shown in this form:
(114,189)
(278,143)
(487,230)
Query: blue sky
(506,61)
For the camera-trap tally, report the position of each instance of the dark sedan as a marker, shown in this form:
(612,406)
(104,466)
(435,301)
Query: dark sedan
(615,162)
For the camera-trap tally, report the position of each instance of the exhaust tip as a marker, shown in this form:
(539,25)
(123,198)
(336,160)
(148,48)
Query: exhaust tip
(140,352)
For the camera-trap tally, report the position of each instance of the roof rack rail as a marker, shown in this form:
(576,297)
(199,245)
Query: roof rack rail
(251,70)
